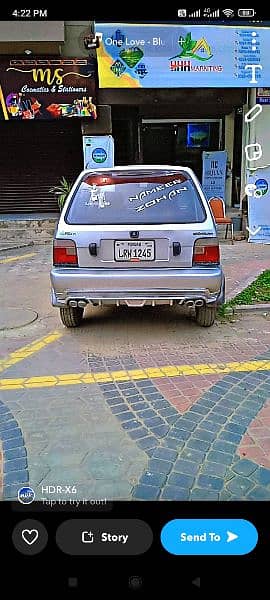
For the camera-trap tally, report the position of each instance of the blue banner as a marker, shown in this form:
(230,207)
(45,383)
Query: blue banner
(168,56)
(214,174)
(259,206)
(98,151)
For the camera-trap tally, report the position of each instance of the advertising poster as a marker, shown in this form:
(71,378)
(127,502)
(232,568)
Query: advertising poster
(259,207)
(214,174)
(98,151)
(167,56)
(47,88)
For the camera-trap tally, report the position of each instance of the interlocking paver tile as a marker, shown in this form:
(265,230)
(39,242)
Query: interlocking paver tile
(198,444)
(153,479)
(262,476)
(239,486)
(203,494)
(244,467)
(172,492)
(214,469)
(258,493)
(146,492)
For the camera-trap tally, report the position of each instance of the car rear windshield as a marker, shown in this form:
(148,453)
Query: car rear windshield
(136,199)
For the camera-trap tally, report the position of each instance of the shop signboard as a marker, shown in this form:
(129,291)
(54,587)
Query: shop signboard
(175,56)
(214,174)
(47,88)
(259,207)
(98,151)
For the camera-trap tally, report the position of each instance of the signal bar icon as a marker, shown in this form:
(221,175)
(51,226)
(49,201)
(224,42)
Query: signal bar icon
(196,14)
(212,15)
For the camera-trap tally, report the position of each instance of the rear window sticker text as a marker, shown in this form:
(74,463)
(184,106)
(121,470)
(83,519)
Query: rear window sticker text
(169,196)
(158,188)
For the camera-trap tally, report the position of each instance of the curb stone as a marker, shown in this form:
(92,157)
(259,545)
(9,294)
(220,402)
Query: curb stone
(15,246)
(247,307)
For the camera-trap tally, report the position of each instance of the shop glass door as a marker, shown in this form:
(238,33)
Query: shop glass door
(180,143)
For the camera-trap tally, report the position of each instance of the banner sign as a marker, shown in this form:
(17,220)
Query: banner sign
(263,96)
(259,207)
(98,151)
(168,56)
(214,174)
(47,88)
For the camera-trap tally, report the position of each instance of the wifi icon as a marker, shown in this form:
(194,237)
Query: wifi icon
(228,12)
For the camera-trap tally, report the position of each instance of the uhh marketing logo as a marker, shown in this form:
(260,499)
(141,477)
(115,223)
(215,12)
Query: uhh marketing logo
(199,50)
(196,49)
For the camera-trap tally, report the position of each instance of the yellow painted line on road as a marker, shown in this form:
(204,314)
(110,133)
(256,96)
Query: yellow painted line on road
(27,351)
(136,374)
(11,258)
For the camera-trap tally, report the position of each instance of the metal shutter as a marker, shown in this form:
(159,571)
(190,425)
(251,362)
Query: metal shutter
(33,158)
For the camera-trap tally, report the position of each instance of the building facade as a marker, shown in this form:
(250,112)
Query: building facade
(157,120)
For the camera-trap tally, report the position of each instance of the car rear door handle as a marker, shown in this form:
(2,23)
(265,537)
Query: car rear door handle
(93,249)
(176,248)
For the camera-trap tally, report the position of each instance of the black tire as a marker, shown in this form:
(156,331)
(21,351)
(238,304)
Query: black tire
(205,315)
(71,316)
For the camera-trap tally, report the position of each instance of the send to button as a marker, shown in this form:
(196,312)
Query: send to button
(209,537)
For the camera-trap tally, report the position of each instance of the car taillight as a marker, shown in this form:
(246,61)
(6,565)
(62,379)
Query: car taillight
(206,251)
(64,253)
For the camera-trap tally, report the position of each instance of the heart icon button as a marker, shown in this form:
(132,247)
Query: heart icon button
(29,536)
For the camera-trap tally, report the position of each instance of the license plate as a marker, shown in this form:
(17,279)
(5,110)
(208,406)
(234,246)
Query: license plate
(134,251)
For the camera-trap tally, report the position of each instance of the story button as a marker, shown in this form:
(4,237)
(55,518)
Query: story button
(104,537)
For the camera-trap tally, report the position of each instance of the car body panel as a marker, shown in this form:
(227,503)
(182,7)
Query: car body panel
(96,284)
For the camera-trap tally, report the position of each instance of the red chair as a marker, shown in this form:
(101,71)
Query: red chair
(218,209)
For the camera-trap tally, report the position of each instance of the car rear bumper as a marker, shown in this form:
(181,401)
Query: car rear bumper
(136,287)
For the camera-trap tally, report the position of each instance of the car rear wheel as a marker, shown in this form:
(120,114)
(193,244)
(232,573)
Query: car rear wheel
(71,316)
(205,315)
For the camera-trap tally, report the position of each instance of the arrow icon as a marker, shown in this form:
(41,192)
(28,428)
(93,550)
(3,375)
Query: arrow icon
(253,231)
(231,536)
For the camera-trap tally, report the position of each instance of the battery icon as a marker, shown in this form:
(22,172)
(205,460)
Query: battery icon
(246,12)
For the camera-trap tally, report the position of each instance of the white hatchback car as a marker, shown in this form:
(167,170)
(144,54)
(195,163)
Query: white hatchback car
(136,235)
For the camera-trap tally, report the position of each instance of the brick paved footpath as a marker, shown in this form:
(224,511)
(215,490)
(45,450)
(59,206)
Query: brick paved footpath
(202,437)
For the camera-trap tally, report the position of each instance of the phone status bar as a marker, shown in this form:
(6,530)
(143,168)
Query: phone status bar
(227,16)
